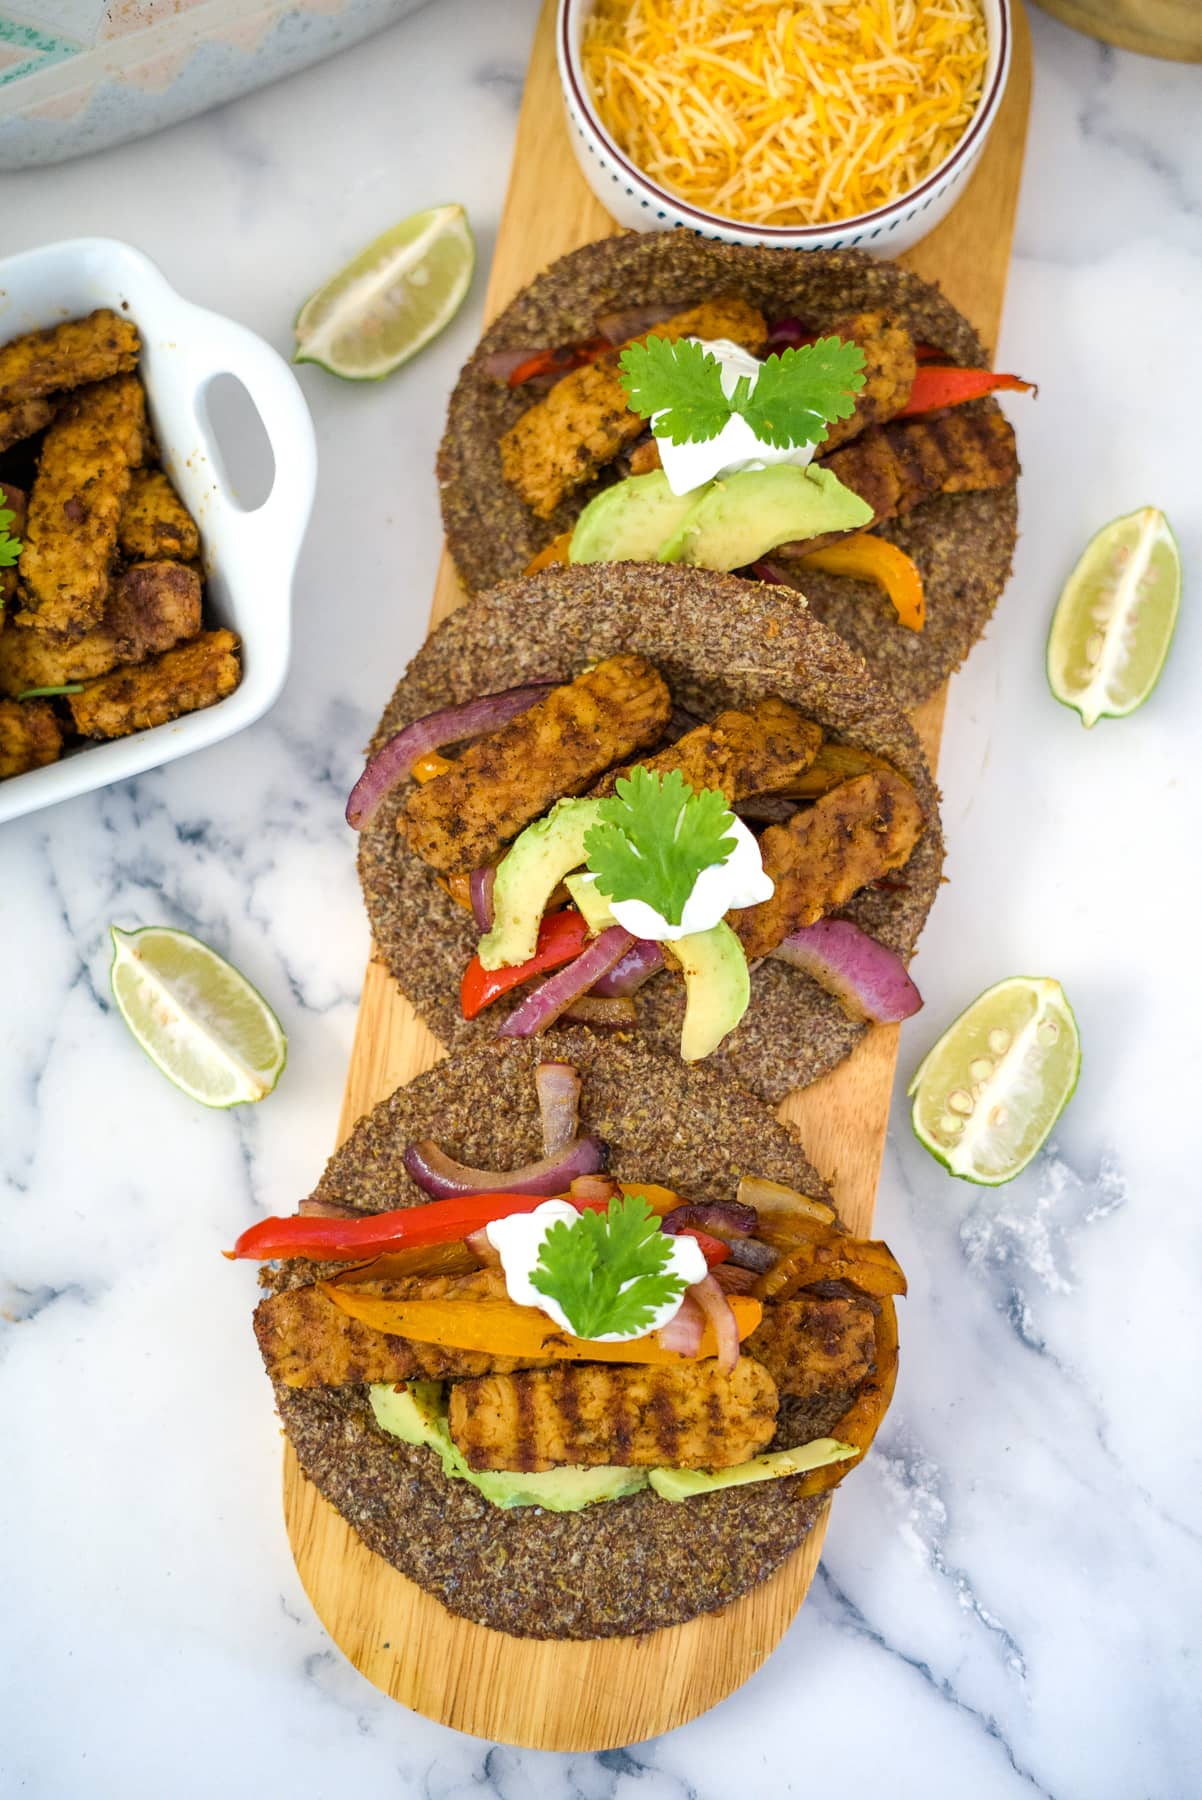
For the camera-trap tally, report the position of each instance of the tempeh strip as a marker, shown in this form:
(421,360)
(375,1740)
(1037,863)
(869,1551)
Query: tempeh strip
(67,356)
(155,522)
(29,736)
(151,608)
(151,693)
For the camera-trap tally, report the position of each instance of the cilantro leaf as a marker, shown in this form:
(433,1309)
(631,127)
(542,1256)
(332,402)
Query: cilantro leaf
(678,385)
(10,547)
(655,836)
(608,1270)
(797,393)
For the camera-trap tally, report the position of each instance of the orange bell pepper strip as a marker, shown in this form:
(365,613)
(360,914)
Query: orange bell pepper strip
(499,1328)
(936,387)
(557,551)
(558,361)
(430,766)
(870,558)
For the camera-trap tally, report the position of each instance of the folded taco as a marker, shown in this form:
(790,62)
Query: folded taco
(653,799)
(819,419)
(595,1315)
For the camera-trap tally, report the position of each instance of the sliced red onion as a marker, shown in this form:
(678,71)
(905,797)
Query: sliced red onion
(553,996)
(558,1088)
(499,365)
(776,1203)
(632,321)
(771,572)
(643,960)
(725,1219)
(684,1329)
(454,725)
(480,886)
(752,1253)
(603,1014)
(441,1176)
(868,979)
(482,1249)
(716,1307)
(734,1280)
(786,334)
(594,1187)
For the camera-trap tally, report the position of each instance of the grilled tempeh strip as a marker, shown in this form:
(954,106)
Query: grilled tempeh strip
(889,366)
(307,1342)
(815,1345)
(151,608)
(689,1416)
(151,693)
(759,751)
(583,422)
(74,506)
(22,419)
(559,747)
(66,356)
(858,832)
(29,736)
(155,522)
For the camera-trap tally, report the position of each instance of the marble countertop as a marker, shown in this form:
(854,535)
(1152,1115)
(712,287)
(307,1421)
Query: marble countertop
(1011,1587)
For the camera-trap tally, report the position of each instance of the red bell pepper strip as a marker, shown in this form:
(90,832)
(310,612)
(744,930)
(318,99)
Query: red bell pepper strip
(561,938)
(557,361)
(936,387)
(438,1222)
(353,1240)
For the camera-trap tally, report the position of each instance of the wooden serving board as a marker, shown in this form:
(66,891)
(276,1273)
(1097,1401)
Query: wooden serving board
(594,1696)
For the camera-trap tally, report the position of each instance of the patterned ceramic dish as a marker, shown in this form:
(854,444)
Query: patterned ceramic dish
(636,201)
(249,556)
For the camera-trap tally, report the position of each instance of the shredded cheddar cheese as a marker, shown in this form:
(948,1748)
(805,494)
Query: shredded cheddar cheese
(786,114)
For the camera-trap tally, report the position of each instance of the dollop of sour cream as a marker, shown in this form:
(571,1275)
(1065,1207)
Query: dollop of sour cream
(739,881)
(518,1240)
(689,466)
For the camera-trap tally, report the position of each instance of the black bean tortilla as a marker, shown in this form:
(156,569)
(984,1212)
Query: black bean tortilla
(963,543)
(719,642)
(622,1567)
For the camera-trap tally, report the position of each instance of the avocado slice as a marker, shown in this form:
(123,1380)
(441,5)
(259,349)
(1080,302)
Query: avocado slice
(740,517)
(416,1414)
(589,900)
(532,868)
(682,1484)
(629,521)
(717,987)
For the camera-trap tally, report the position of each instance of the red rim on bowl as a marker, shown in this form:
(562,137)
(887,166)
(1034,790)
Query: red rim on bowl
(961,152)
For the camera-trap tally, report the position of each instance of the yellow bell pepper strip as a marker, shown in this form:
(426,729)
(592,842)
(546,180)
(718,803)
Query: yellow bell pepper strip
(863,1263)
(869,558)
(557,551)
(499,1328)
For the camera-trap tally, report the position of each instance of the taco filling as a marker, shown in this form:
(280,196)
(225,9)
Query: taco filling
(603,837)
(592,1340)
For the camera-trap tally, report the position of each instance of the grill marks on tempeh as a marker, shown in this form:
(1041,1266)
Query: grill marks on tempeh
(512,776)
(758,751)
(855,834)
(639,1416)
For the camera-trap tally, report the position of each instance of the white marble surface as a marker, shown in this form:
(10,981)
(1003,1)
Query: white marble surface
(1011,1592)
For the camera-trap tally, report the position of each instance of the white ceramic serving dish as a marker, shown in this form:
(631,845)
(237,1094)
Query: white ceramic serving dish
(249,556)
(636,201)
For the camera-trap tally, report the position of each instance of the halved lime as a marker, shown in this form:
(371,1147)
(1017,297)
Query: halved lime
(196,1017)
(394,297)
(989,1092)
(1114,621)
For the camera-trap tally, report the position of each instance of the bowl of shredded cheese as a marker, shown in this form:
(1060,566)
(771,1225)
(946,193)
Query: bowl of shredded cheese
(808,124)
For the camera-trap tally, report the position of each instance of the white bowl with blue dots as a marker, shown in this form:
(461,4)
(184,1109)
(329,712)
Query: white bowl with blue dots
(638,202)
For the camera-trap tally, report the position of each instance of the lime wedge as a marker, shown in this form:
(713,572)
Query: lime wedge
(393,298)
(1114,621)
(988,1094)
(196,1017)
